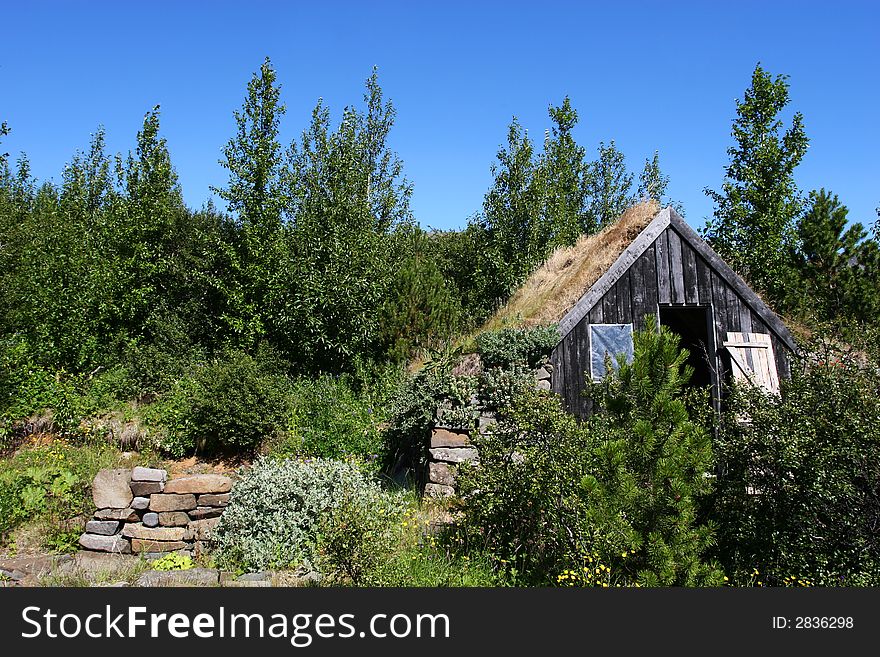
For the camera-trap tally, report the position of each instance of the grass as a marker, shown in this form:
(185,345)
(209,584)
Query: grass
(124,571)
(556,286)
(45,490)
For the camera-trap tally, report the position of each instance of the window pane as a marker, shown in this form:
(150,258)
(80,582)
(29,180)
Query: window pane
(611,339)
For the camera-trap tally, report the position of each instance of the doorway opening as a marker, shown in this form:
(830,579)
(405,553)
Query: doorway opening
(692,324)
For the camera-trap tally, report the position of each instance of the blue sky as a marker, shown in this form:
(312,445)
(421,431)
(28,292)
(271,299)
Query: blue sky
(650,75)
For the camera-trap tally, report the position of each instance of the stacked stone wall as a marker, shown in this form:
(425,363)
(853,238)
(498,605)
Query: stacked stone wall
(140,510)
(450,444)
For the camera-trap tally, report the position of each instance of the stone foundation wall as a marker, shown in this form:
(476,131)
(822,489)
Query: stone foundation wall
(142,511)
(449,444)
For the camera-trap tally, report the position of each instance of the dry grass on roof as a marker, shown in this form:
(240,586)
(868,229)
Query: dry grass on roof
(555,287)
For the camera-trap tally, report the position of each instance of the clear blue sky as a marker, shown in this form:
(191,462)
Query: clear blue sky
(650,75)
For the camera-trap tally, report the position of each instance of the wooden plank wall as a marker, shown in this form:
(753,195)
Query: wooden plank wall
(668,272)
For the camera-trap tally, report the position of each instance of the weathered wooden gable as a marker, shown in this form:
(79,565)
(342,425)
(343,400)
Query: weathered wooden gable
(667,265)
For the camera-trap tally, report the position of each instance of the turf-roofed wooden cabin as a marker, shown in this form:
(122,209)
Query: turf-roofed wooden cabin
(651,262)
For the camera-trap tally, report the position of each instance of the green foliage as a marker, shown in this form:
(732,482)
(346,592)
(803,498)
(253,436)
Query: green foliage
(173,561)
(797,486)
(254,157)
(758,204)
(653,183)
(227,406)
(62,541)
(522,346)
(357,537)
(621,489)
(421,309)
(329,418)
(27,389)
(523,501)
(838,265)
(347,197)
(411,412)
(274,516)
(610,186)
(565,177)
(653,463)
(51,482)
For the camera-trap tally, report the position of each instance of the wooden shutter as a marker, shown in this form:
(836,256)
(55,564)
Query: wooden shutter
(752,360)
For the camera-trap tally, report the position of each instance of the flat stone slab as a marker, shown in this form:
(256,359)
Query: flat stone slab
(125,515)
(447,438)
(115,543)
(173,519)
(140,503)
(137,530)
(201,530)
(213,499)
(441,473)
(38,564)
(206,512)
(439,490)
(451,455)
(172,502)
(191,577)
(111,489)
(143,545)
(143,488)
(100,563)
(102,527)
(148,474)
(199,484)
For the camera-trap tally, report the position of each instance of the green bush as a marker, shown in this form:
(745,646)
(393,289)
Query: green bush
(27,389)
(228,406)
(329,419)
(276,511)
(522,346)
(798,483)
(522,504)
(621,490)
(174,561)
(357,537)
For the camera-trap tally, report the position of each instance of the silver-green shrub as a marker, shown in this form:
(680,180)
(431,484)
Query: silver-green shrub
(277,508)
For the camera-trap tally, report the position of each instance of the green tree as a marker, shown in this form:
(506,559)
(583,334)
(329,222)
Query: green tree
(254,157)
(653,183)
(838,265)
(565,174)
(652,465)
(348,196)
(420,310)
(611,186)
(754,223)
(509,224)
(796,496)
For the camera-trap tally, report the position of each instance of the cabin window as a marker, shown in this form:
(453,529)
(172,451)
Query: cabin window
(610,340)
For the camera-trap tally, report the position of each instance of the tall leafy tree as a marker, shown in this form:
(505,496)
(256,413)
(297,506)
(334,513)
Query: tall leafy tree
(255,194)
(565,175)
(512,210)
(754,223)
(348,195)
(254,157)
(611,186)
